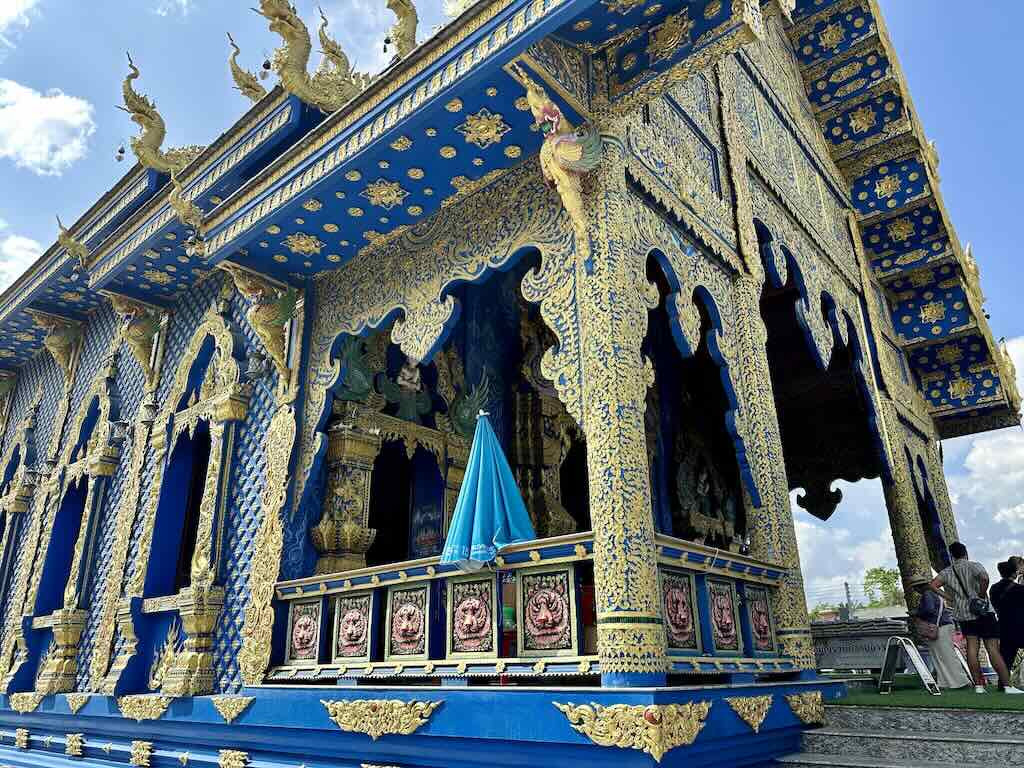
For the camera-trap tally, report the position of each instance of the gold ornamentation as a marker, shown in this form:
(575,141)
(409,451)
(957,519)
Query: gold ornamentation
(832,35)
(809,707)
(484,128)
(157,277)
(21,738)
(74,744)
(403,32)
(230,707)
(143,706)
(246,82)
(751,709)
(654,729)
(901,230)
(22,703)
(62,339)
(141,754)
(622,6)
(271,310)
(334,83)
(233,758)
(148,145)
(312,205)
(257,632)
(960,388)
(888,186)
(447,152)
(665,39)
(165,656)
(76,701)
(380,717)
(75,249)
(384,193)
(862,120)
(140,329)
(189,214)
(455,105)
(932,312)
(401,144)
(303,244)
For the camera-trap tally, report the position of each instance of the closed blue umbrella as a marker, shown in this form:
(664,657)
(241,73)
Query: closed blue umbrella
(490,513)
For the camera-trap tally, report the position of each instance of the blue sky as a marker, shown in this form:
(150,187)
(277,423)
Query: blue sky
(62,62)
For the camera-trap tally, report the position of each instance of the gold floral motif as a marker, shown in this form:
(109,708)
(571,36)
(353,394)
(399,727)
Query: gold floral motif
(622,6)
(380,717)
(654,729)
(751,709)
(901,230)
(949,354)
(157,277)
(141,754)
(230,707)
(932,312)
(74,744)
(233,758)
(401,144)
(832,35)
(312,205)
(888,186)
(23,703)
(143,706)
(665,39)
(960,388)
(21,738)
(809,707)
(303,244)
(862,120)
(76,701)
(484,128)
(384,193)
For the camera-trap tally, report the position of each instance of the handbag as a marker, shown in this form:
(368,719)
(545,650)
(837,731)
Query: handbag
(926,630)
(978,606)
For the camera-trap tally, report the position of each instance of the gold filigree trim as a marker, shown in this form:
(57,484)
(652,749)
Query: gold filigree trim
(751,709)
(231,707)
(143,707)
(76,701)
(809,707)
(380,717)
(23,703)
(654,728)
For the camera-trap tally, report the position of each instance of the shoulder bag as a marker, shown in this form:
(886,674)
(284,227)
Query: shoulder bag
(978,606)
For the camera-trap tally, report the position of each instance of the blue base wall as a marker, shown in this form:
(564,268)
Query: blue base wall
(473,727)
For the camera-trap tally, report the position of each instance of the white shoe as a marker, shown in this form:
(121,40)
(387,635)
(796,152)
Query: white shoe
(1011,689)
(980,689)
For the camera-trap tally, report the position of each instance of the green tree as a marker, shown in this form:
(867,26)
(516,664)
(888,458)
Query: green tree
(883,587)
(821,608)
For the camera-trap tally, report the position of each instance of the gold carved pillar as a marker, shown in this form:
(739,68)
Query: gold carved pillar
(343,536)
(771,526)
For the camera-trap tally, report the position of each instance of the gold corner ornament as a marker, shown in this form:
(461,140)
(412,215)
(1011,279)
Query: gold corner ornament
(76,249)
(147,146)
(143,706)
(23,703)
(230,707)
(189,214)
(141,754)
(270,311)
(403,32)
(74,744)
(808,707)
(141,326)
(62,338)
(380,717)
(246,82)
(76,701)
(652,728)
(751,709)
(233,758)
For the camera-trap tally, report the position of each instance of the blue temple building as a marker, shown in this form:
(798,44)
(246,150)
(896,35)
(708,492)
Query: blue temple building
(689,255)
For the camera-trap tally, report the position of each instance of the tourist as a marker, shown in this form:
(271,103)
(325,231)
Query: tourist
(1008,600)
(964,585)
(949,671)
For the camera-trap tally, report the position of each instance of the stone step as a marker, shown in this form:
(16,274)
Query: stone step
(932,720)
(905,745)
(817,760)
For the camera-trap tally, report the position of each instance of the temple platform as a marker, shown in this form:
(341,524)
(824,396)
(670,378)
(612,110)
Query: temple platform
(426,727)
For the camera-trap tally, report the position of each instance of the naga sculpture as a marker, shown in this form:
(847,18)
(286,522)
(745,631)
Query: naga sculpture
(334,83)
(147,146)
(567,152)
(75,249)
(140,329)
(403,31)
(61,340)
(246,82)
(269,312)
(188,212)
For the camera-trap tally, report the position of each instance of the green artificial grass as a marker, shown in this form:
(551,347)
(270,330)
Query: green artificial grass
(908,692)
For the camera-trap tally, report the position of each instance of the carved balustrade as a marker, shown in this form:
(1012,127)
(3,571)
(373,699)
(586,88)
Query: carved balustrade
(439,622)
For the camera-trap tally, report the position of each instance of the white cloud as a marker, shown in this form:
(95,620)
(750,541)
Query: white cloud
(45,133)
(14,13)
(167,7)
(17,254)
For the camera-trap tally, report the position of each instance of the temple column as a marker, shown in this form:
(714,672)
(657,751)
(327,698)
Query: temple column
(343,536)
(613,298)
(940,493)
(771,526)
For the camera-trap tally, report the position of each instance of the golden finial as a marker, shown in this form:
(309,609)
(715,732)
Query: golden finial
(245,82)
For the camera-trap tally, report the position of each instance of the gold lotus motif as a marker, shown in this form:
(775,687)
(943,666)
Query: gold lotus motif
(888,186)
(303,244)
(380,717)
(484,128)
(386,194)
(862,120)
(231,707)
(654,728)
